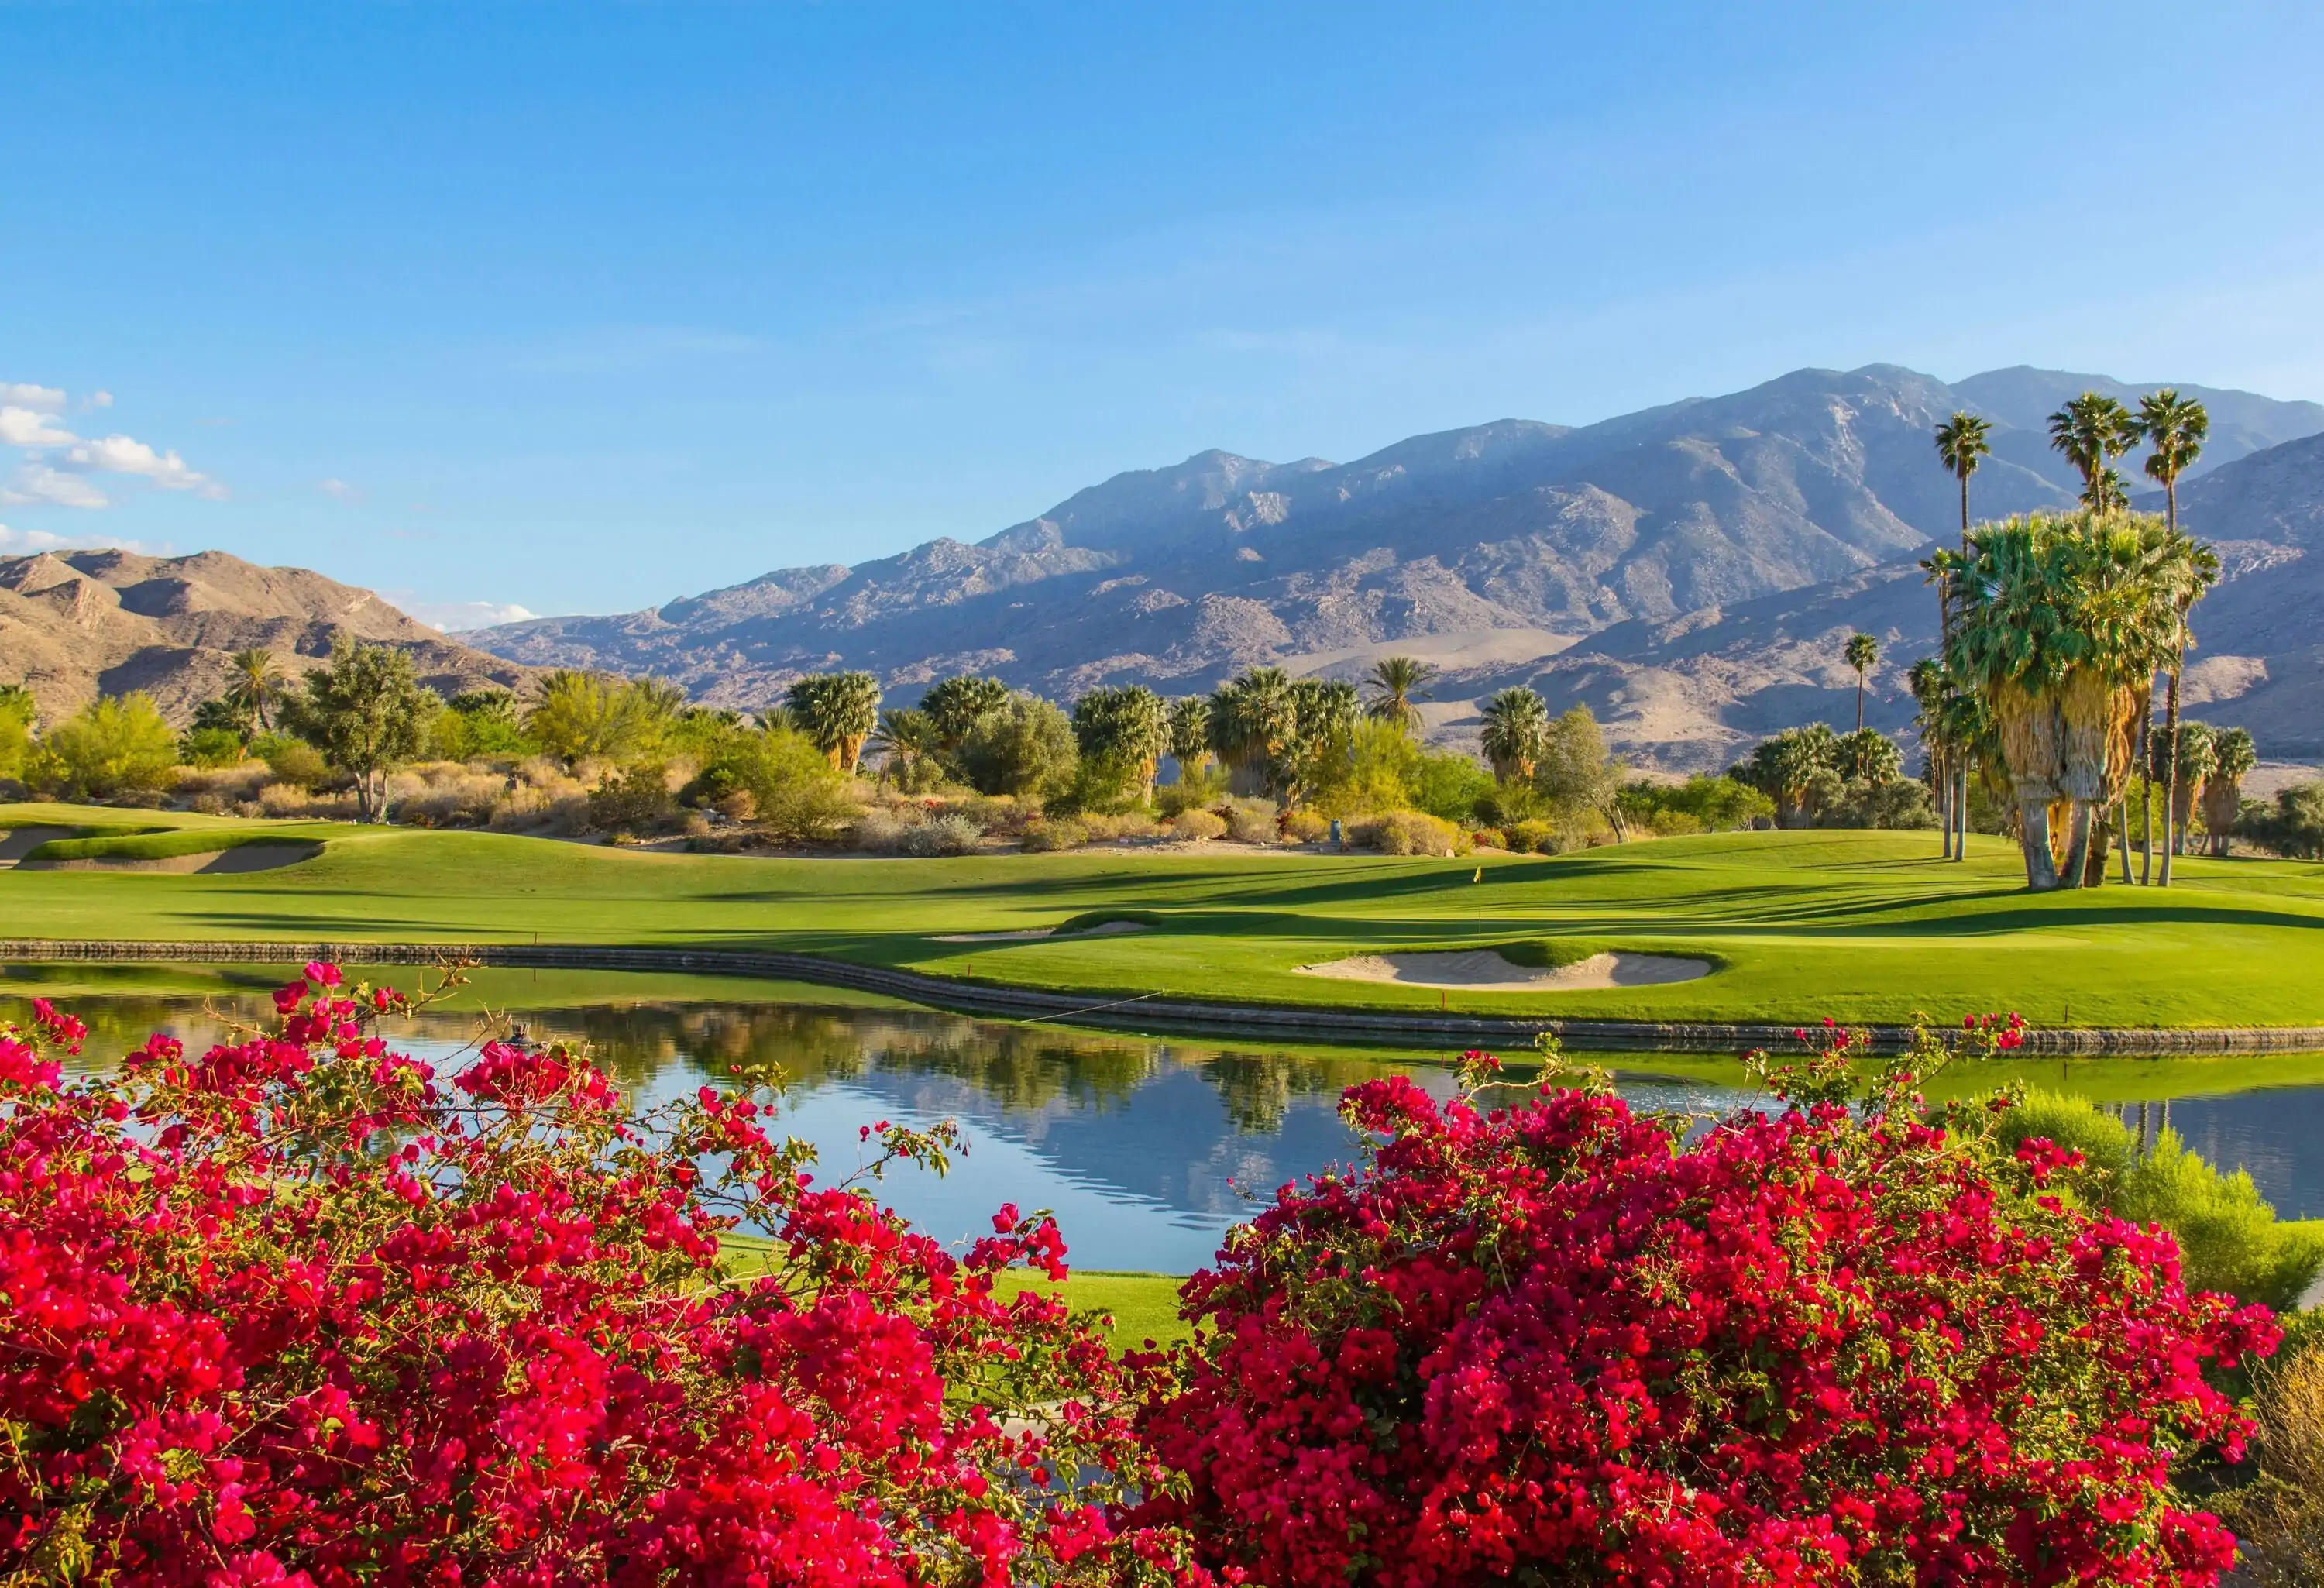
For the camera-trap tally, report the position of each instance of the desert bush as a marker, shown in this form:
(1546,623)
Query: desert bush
(1562,1342)
(294,761)
(1054,833)
(950,833)
(1673,824)
(1104,827)
(636,800)
(999,815)
(1411,832)
(1307,827)
(881,829)
(1249,820)
(1196,788)
(1488,838)
(512,1351)
(1534,837)
(17,717)
(229,786)
(2279,1516)
(1197,824)
(448,794)
(116,747)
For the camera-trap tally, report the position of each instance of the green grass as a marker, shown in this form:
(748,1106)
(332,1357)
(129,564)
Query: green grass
(1861,926)
(170,842)
(1143,1307)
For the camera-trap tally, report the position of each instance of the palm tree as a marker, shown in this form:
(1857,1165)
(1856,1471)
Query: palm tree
(1252,719)
(255,682)
(1863,651)
(2093,430)
(2013,644)
(1396,685)
(1128,726)
(1964,441)
(2174,429)
(838,712)
(1190,733)
(1927,681)
(908,740)
(2233,754)
(1515,733)
(2195,756)
(957,704)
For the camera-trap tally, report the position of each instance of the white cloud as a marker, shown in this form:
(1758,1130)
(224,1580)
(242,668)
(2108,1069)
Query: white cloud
(338,488)
(456,617)
(28,426)
(37,481)
(39,399)
(26,542)
(122,455)
(96,400)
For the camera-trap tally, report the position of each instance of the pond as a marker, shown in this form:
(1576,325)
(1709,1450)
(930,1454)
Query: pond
(1147,1149)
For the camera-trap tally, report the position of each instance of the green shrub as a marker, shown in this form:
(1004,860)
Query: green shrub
(210,747)
(16,715)
(1534,837)
(1307,827)
(294,761)
(1450,785)
(2229,1237)
(1026,749)
(114,747)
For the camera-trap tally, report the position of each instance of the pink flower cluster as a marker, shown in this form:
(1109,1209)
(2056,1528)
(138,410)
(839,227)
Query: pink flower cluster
(297,1311)
(1558,1343)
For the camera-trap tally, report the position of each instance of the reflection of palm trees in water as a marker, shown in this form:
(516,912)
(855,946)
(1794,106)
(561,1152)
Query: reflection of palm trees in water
(1017,1069)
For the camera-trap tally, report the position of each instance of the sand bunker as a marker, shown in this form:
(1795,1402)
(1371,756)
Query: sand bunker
(1104,930)
(15,842)
(209,862)
(1481,970)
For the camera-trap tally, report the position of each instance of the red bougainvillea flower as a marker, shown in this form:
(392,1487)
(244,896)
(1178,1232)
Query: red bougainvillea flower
(298,1312)
(1562,1341)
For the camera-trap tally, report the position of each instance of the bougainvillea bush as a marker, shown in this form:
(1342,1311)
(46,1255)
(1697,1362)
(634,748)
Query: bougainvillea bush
(1559,1341)
(300,1309)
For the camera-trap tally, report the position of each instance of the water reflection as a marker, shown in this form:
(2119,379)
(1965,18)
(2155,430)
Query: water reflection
(1146,1150)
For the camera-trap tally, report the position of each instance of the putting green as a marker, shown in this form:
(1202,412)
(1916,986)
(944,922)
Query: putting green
(1860,926)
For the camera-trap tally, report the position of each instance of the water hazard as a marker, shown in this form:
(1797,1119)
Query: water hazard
(1147,1149)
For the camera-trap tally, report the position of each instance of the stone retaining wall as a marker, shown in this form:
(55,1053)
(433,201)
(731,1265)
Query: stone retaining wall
(1138,1013)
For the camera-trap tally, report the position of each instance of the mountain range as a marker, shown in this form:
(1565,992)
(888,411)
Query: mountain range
(1689,571)
(74,624)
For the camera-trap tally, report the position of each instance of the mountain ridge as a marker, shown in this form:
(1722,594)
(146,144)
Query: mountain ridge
(1182,575)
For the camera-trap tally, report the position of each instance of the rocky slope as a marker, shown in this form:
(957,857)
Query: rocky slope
(1582,556)
(77,623)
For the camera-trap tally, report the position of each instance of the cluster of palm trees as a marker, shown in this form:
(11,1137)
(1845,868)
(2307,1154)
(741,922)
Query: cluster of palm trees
(2055,627)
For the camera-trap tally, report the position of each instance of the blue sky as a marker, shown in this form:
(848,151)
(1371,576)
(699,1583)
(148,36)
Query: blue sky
(581,308)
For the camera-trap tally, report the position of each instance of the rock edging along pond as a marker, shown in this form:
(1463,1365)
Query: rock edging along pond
(1137,1013)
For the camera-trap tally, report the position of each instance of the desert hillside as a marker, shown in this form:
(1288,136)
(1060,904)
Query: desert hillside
(74,624)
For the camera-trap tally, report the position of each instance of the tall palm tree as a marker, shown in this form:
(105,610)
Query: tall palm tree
(2174,429)
(255,683)
(838,712)
(1396,685)
(1863,651)
(1252,719)
(958,704)
(1515,733)
(2233,754)
(1963,442)
(1190,732)
(1129,726)
(2093,430)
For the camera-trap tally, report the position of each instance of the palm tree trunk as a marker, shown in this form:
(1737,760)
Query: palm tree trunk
(2147,787)
(2122,826)
(2033,836)
(1960,808)
(1859,700)
(2075,873)
(1943,777)
(2171,755)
